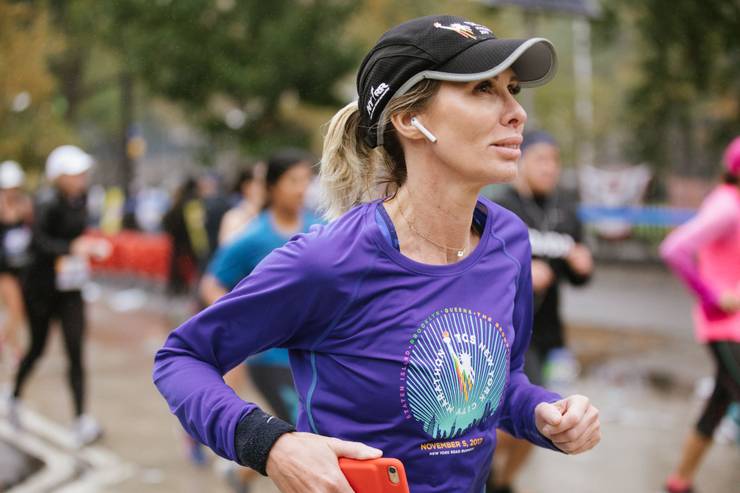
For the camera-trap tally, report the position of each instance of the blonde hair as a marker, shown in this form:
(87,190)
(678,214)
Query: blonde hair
(352,172)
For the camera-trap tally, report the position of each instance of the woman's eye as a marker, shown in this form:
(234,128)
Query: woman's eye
(514,90)
(483,87)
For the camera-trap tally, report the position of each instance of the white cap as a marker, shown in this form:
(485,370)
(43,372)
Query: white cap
(11,175)
(67,160)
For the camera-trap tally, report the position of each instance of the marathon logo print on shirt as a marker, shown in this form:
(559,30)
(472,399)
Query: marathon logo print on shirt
(453,377)
(376,94)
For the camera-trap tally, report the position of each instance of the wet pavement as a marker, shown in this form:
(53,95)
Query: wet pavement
(15,465)
(631,332)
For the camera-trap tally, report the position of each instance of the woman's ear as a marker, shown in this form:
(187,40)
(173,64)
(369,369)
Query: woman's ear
(402,123)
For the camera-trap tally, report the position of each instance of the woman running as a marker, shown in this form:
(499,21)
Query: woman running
(408,316)
(54,279)
(287,180)
(704,253)
(15,239)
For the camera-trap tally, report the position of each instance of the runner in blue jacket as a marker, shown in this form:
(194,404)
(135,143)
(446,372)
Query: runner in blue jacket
(408,316)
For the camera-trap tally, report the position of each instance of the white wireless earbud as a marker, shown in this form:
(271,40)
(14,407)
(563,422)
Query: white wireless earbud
(429,135)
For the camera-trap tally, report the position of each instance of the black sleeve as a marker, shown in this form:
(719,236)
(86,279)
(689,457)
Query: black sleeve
(43,241)
(255,435)
(576,231)
(509,199)
(574,278)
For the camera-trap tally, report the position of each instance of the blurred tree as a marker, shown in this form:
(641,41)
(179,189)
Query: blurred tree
(232,63)
(79,23)
(686,104)
(84,25)
(30,120)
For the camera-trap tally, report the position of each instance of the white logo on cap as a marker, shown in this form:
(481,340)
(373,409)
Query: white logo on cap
(461,29)
(466,29)
(480,28)
(376,94)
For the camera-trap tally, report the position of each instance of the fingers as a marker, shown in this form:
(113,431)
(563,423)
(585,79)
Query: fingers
(334,483)
(589,418)
(550,414)
(594,441)
(353,450)
(585,446)
(350,450)
(306,463)
(583,442)
(579,258)
(330,481)
(561,406)
(579,428)
(575,409)
(585,435)
(542,275)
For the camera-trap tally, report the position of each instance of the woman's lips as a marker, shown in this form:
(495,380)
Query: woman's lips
(509,148)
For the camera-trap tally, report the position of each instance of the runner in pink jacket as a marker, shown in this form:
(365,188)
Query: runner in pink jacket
(705,254)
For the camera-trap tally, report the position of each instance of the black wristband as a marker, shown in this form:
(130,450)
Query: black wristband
(255,435)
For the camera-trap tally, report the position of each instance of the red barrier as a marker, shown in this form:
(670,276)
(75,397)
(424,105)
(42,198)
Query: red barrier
(137,254)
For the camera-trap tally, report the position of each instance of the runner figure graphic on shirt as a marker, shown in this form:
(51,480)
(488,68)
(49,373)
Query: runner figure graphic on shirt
(463,367)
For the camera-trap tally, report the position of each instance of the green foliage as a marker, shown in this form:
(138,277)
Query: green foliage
(666,84)
(685,105)
(213,56)
(30,124)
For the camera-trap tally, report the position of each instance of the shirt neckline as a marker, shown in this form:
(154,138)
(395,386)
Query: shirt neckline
(418,267)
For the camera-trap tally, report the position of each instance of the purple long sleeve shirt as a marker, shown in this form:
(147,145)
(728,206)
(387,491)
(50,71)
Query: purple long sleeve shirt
(420,361)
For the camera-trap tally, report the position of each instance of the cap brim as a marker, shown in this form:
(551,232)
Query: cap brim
(78,167)
(11,182)
(73,167)
(533,60)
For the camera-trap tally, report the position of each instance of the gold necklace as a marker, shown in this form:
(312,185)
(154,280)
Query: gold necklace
(459,251)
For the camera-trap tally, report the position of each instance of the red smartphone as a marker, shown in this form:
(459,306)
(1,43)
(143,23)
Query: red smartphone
(384,475)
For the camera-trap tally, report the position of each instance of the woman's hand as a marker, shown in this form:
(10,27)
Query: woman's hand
(308,463)
(96,248)
(542,276)
(729,302)
(580,260)
(572,424)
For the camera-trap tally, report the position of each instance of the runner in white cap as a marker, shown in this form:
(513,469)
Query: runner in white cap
(54,279)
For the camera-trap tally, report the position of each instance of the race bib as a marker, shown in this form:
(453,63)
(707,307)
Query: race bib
(72,272)
(15,245)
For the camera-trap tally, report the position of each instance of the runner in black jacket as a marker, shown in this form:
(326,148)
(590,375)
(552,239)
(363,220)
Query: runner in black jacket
(558,255)
(53,281)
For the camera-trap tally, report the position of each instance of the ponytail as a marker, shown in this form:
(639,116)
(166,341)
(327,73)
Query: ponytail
(351,171)
(347,169)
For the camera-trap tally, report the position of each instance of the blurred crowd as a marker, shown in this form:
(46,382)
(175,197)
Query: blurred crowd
(212,234)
